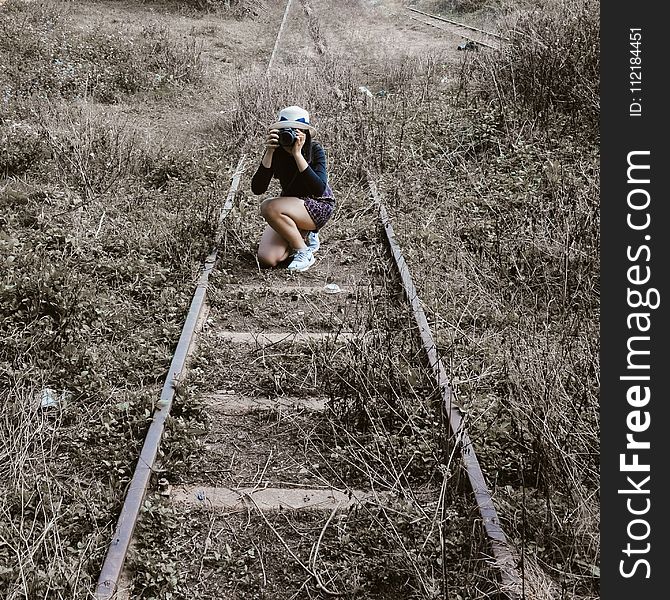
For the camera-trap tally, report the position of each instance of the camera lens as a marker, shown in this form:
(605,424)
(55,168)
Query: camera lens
(287,137)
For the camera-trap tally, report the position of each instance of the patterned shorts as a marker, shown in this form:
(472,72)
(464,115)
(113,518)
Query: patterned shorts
(320,209)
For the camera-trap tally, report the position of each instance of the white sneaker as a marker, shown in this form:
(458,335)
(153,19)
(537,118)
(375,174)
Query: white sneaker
(312,241)
(303,259)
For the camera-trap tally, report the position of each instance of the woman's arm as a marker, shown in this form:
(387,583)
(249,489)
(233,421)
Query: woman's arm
(263,175)
(261,180)
(315,175)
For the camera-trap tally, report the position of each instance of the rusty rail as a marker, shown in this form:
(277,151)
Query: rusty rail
(281,28)
(446,30)
(489,33)
(503,557)
(118,548)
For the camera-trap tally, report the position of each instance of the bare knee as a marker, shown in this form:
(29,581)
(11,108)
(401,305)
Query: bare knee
(267,260)
(269,208)
(271,255)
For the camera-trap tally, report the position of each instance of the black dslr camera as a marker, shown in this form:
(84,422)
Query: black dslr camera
(287,137)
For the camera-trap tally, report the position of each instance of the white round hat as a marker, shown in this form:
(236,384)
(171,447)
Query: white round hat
(293,116)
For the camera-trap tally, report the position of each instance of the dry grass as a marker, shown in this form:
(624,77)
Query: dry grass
(383,431)
(493,193)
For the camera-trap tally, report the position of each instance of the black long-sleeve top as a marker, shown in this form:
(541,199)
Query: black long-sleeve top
(310,183)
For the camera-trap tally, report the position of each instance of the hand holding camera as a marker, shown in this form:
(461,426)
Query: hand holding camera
(292,139)
(272,139)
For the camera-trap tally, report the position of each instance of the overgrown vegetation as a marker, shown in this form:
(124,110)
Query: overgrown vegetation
(46,57)
(101,232)
(383,432)
(514,292)
(493,190)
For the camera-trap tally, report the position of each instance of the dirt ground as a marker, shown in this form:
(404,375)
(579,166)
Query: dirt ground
(366,33)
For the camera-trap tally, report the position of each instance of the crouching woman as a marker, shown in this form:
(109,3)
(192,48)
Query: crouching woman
(306,203)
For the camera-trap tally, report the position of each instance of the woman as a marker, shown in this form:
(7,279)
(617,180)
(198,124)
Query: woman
(306,202)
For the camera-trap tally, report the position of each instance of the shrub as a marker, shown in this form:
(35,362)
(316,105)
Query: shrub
(20,146)
(45,57)
(550,68)
(462,6)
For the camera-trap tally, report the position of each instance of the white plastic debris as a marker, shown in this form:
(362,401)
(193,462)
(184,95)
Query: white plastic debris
(49,398)
(366,91)
(332,288)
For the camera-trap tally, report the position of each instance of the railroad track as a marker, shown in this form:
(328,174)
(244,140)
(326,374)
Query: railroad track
(467,32)
(267,459)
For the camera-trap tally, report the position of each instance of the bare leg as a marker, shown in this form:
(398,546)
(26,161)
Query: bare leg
(272,249)
(288,223)
(289,218)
